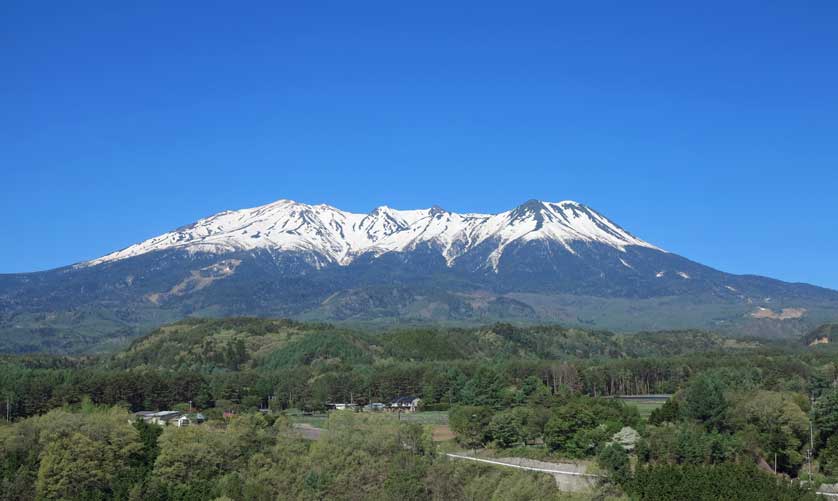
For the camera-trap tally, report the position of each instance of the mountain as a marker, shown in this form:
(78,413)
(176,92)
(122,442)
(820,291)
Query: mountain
(539,262)
(326,235)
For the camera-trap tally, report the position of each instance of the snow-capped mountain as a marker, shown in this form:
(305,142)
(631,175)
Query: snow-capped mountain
(539,262)
(337,236)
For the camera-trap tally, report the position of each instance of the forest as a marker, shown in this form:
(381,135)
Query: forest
(737,418)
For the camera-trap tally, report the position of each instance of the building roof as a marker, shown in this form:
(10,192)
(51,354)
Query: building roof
(158,414)
(404,401)
(167,414)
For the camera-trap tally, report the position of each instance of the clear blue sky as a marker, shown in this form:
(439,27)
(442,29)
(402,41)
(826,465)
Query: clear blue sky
(710,130)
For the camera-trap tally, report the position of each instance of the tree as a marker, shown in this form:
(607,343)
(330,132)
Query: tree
(686,443)
(705,401)
(148,433)
(565,423)
(405,476)
(669,412)
(743,482)
(246,435)
(535,420)
(507,428)
(72,467)
(189,456)
(534,392)
(775,425)
(829,456)
(615,461)
(357,456)
(485,388)
(826,416)
(282,469)
(84,452)
(470,423)
(627,438)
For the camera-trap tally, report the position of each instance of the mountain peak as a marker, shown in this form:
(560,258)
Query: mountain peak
(436,210)
(381,209)
(337,236)
(531,206)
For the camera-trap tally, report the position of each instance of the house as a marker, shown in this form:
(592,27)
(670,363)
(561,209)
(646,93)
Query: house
(144,415)
(162,418)
(406,404)
(341,406)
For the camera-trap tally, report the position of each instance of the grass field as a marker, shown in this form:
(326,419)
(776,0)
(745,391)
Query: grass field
(430,417)
(435,418)
(316,420)
(645,407)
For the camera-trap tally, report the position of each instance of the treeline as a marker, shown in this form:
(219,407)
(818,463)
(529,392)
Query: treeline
(27,391)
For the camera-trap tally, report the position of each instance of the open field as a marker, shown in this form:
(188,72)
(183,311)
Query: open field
(437,420)
(430,417)
(442,433)
(315,420)
(645,407)
(434,418)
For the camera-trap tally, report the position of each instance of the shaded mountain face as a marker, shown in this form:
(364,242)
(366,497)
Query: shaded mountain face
(540,262)
(826,334)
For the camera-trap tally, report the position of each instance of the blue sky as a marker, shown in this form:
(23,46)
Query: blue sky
(710,130)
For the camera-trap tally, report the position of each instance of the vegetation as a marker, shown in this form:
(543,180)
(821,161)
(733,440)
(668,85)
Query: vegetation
(738,411)
(712,482)
(96,453)
(244,343)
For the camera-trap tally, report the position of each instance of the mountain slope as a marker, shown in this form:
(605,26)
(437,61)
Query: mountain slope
(540,262)
(238,343)
(330,235)
(823,335)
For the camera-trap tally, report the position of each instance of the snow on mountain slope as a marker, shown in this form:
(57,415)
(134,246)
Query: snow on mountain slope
(338,236)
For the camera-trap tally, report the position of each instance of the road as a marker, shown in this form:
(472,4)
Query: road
(569,477)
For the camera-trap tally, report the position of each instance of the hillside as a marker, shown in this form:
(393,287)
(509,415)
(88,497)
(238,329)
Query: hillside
(240,343)
(826,334)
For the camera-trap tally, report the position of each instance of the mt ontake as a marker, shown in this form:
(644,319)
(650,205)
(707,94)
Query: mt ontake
(337,236)
(540,262)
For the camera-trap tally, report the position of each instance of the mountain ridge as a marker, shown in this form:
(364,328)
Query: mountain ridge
(342,236)
(541,262)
